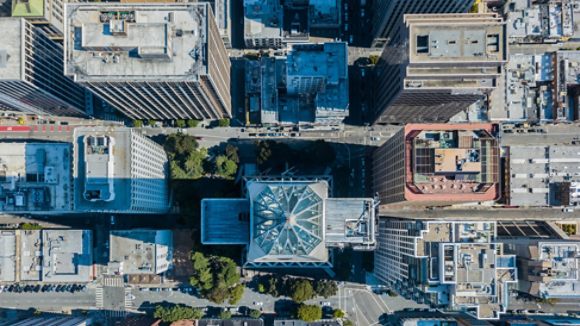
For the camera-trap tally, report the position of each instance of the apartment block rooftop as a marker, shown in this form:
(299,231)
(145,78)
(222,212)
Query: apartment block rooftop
(35,177)
(136,42)
(67,255)
(324,13)
(463,266)
(46,255)
(544,175)
(528,90)
(140,252)
(548,22)
(566,83)
(451,162)
(456,38)
(289,222)
(263,19)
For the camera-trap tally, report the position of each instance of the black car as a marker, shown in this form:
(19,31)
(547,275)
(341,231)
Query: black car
(63,288)
(58,287)
(20,289)
(37,288)
(67,288)
(44,287)
(508,131)
(10,288)
(73,288)
(27,288)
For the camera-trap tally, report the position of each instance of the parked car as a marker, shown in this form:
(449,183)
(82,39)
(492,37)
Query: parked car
(186,290)
(272,134)
(112,220)
(42,122)
(522,311)
(508,131)
(154,289)
(375,138)
(258,303)
(84,288)
(520,131)
(199,138)
(167,289)
(36,288)
(351,39)
(64,123)
(324,303)
(263,135)
(144,289)
(568,210)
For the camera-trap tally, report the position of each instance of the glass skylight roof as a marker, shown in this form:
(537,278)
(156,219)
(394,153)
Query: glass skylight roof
(287,220)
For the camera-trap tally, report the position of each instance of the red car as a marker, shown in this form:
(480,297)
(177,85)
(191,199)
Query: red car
(199,138)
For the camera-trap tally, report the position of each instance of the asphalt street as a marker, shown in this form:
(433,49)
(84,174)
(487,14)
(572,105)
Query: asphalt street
(48,301)
(484,213)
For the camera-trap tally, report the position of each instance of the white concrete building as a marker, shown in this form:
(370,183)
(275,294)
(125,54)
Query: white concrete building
(117,169)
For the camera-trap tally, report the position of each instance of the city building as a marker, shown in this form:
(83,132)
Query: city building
(547,268)
(45,15)
(297,322)
(289,222)
(528,90)
(324,14)
(235,321)
(535,22)
(567,85)
(438,66)
(35,178)
(263,24)
(270,25)
(119,170)
(388,14)
(448,265)
(443,321)
(438,164)
(46,256)
(222,12)
(140,252)
(31,73)
(56,321)
(307,88)
(142,69)
(543,175)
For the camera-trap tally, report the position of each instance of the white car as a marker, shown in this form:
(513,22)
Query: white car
(375,138)
(568,210)
(258,303)
(324,303)
(129,295)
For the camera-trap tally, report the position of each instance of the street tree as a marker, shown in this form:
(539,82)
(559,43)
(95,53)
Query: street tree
(137,123)
(301,290)
(309,313)
(326,288)
(337,313)
(225,314)
(255,313)
(192,123)
(236,293)
(180,123)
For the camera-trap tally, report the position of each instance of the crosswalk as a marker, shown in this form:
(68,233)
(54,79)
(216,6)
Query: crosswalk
(113,281)
(113,314)
(99,297)
(128,301)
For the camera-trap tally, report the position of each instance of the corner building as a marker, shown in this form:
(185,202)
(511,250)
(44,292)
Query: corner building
(150,60)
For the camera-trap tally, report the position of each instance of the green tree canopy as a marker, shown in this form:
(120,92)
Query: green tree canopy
(347,323)
(225,314)
(223,122)
(309,313)
(236,293)
(180,144)
(231,153)
(326,288)
(274,286)
(151,122)
(192,123)
(301,290)
(255,313)
(177,313)
(225,166)
(337,313)
(218,295)
(180,123)
(202,276)
(137,123)
(261,288)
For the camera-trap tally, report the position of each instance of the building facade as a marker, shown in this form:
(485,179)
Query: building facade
(388,14)
(437,66)
(45,15)
(31,73)
(448,265)
(144,71)
(117,169)
(140,252)
(437,165)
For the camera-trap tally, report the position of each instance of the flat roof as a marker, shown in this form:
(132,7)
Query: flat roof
(141,251)
(40,173)
(136,42)
(535,172)
(67,255)
(349,221)
(12,49)
(456,38)
(262,19)
(7,256)
(563,258)
(30,253)
(225,221)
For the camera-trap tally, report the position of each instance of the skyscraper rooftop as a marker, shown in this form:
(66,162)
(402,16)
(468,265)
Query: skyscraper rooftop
(137,42)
